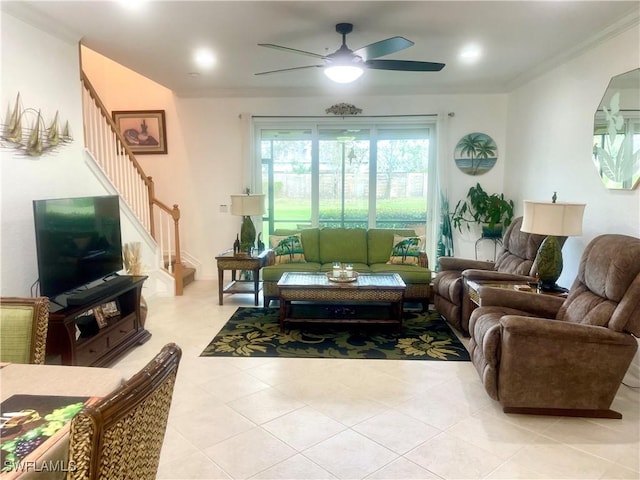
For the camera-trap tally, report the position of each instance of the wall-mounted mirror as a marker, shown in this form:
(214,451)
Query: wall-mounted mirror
(616,133)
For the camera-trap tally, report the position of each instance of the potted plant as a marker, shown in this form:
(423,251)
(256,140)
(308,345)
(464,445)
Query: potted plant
(493,212)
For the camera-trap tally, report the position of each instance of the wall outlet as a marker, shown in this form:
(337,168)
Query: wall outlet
(223,208)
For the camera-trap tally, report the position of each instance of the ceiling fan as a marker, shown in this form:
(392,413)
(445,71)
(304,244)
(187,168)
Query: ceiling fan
(345,65)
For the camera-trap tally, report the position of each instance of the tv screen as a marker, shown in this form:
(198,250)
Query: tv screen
(78,241)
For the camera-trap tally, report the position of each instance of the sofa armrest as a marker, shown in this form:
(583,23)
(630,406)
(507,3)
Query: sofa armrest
(475,274)
(534,303)
(460,264)
(270,259)
(423,260)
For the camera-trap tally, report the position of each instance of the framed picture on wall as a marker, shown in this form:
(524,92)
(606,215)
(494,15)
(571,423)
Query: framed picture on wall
(144,130)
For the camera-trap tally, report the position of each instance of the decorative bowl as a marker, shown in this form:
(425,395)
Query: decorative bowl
(331,278)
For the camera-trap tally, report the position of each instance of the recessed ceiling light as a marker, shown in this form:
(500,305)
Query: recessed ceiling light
(470,53)
(204,58)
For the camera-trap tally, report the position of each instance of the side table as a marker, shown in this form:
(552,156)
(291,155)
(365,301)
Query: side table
(228,261)
(473,287)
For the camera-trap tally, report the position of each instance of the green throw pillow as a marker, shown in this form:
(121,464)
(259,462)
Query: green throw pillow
(288,249)
(406,250)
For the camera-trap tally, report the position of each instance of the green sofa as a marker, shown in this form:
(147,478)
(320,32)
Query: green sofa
(368,251)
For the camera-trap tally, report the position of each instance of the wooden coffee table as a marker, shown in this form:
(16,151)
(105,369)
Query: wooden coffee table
(386,289)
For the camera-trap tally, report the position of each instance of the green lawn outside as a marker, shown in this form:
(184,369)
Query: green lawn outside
(290,214)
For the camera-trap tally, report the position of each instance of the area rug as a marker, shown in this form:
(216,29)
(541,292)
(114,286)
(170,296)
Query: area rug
(255,332)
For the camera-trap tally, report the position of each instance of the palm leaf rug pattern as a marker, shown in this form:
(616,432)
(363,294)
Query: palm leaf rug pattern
(255,332)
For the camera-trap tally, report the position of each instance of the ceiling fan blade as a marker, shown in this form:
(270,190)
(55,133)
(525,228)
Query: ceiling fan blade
(292,50)
(404,65)
(288,69)
(383,47)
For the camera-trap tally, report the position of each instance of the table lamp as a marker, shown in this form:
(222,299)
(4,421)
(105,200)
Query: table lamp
(554,220)
(245,206)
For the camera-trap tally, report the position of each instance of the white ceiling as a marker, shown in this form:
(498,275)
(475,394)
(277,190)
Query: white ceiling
(520,40)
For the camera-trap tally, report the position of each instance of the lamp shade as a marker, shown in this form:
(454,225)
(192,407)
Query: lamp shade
(548,218)
(247,205)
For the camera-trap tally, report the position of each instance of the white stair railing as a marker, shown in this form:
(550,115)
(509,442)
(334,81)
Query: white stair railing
(119,164)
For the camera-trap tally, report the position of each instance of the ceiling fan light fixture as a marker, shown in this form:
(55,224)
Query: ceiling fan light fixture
(343,73)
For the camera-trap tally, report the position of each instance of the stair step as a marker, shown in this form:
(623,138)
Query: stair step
(188,275)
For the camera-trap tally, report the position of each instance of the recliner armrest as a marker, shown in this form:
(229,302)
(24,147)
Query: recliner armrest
(460,264)
(537,304)
(558,331)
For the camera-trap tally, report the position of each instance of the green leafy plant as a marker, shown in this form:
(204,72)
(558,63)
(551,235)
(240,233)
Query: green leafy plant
(481,208)
(445,240)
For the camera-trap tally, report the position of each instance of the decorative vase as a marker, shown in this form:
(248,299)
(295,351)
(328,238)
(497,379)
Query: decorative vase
(247,234)
(236,246)
(260,243)
(548,263)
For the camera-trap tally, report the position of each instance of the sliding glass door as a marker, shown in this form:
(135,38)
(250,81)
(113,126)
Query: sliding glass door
(343,196)
(363,174)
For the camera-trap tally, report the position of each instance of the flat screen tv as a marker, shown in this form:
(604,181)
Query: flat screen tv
(78,241)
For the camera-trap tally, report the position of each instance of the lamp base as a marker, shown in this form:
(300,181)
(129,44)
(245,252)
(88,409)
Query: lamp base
(247,234)
(548,263)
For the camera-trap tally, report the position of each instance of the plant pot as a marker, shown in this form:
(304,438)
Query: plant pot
(494,231)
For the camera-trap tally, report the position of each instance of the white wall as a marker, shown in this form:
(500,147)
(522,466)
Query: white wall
(47,79)
(45,70)
(550,132)
(214,138)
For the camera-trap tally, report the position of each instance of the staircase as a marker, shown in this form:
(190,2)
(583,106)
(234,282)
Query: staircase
(118,164)
(188,273)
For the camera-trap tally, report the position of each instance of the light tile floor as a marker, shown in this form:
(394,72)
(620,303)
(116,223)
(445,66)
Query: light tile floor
(279,418)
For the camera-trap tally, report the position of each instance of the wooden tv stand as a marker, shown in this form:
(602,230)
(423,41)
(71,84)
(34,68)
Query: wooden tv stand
(122,332)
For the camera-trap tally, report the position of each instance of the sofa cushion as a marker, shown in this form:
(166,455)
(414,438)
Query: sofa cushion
(272,273)
(380,243)
(310,242)
(346,245)
(287,248)
(409,273)
(406,250)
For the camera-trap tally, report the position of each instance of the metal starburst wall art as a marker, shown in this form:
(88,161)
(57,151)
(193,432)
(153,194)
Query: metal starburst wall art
(25,130)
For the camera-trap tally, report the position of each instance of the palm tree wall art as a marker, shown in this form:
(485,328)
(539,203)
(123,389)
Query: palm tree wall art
(476,153)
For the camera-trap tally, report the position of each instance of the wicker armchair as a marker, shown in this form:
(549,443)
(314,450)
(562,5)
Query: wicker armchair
(120,437)
(23,329)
